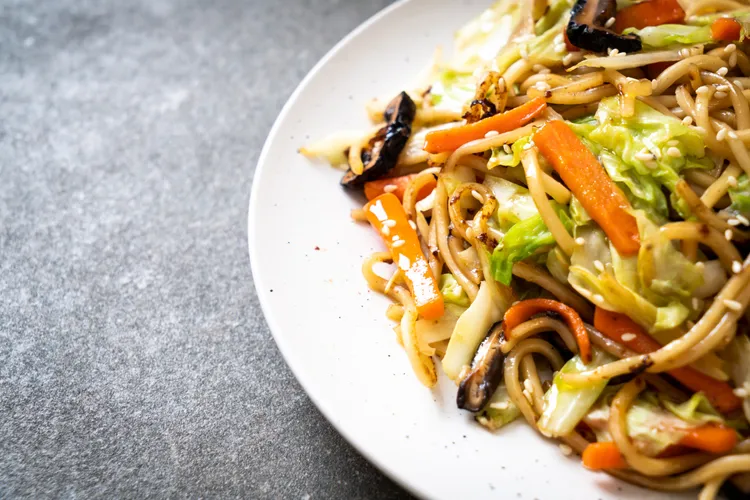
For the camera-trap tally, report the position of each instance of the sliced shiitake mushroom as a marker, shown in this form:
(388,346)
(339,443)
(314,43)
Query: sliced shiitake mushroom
(486,373)
(586,28)
(381,154)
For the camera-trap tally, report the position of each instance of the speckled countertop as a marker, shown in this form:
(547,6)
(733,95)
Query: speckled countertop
(134,358)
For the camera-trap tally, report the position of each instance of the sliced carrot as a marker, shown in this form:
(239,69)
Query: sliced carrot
(386,214)
(726,30)
(373,189)
(587,179)
(615,325)
(711,438)
(451,139)
(649,13)
(522,311)
(604,455)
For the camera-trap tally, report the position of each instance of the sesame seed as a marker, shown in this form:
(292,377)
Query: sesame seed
(744,220)
(652,164)
(733,222)
(404,262)
(674,152)
(736,267)
(700,130)
(684,53)
(613,52)
(701,90)
(476,195)
(610,22)
(385,230)
(740,392)
(599,266)
(413,225)
(543,86)
(500,405)
(395,237)
(728,234)
(558,39)
(654,84)
(560,48)
(687,121)
(722,88)
(528,146)
(398,243)
(389,188)
(732,181)
(506,148)
(730,48)
(720,95)
(733,305)
(565,449)
(721,134)
(627,337)
(598,297)
(580,241)
(733,59)
(733,135)
(643,156)
(722,71)
(389,223)
(491,133)
(700,266)
(528,386)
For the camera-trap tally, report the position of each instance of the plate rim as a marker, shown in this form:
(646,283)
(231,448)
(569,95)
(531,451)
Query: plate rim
(264,298)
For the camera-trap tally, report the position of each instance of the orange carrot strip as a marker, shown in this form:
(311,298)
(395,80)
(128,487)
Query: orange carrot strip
(522,311)
(711,438)
(387,216)
(649,13)
(615,325)
(373,189)
(451,139)
(726,30)
(587,179)
(604,455)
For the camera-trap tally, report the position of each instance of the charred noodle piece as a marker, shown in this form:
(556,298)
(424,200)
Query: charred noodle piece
(450,139)
(586,28)
(382,152)
(388,218)
(524,310)
(649,13)
(615,325)
(589,182)
(487,372)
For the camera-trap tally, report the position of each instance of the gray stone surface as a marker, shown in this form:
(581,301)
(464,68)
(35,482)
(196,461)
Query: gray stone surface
(134,359)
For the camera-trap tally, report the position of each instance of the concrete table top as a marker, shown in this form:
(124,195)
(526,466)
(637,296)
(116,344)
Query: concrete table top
(134,358)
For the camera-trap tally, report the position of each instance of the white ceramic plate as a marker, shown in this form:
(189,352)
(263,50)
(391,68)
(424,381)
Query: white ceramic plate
(306,255)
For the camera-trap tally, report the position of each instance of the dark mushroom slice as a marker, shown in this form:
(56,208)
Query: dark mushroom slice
(586,28)
(381,154)
(476,389)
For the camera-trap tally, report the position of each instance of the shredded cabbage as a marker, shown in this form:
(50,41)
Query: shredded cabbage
(740,195)
(452,291)
(500,410)
(514,201)
(667,35)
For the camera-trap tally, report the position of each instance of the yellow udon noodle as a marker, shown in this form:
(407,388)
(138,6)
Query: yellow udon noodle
(449,234)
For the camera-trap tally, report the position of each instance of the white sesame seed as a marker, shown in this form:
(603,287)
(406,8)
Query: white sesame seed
(722,88)
(528,386)
(700,266)
(733,135)
(736,266)
(413,225)
(687,121)
(568,59)
(654,84)
(627,337)
(739,85)
(733,222)
(613,52)
(580,241)
(701,90)
(389,223)
(404,262)
(507,149)
(674,152)
(732,180)
(558,39)
(477,196)
(721,134)
(560,48)
(491,133)
(542,86)
(389,188)
(720,95)
(732,305)
(652,164)
(722,71)
(385,230)
(684,53)
(730,48)
(610,22)
(528,146)
(599,266)
(598,297)
(565,449)
(733,59)
(700,130)
(395,237)
(643,156)
(744,220)
(740,392)
(728,234)
(398,243)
